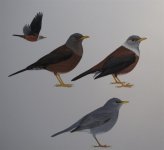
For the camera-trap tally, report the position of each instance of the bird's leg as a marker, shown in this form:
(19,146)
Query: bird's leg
(116,81)
(100,145)
(61,83)
(123,84)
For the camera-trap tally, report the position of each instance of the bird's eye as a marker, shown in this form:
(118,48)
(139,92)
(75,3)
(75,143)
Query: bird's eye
(133,40)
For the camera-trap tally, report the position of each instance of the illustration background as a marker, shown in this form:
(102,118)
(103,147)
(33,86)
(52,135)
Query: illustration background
(32,109)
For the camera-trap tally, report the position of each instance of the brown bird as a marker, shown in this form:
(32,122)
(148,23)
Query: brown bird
(31,32)
(62,60)
(121,61)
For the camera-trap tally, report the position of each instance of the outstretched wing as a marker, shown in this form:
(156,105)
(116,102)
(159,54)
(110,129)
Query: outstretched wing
(35,26)
(27,30)
(60,54)
(36,23)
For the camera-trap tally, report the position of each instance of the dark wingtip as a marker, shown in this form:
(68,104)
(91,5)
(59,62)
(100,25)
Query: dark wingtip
(39,14)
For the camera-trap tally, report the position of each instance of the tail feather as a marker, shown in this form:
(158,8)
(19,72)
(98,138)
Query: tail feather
(22,36)
(18,72)
(66,130)
(82,75)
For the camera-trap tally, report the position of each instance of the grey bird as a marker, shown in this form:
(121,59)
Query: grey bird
(121,61)
(98,121)
(62,60)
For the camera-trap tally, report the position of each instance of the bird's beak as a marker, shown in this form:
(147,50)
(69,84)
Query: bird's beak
(142,39)
(84,37)
(124,102)
(44,37)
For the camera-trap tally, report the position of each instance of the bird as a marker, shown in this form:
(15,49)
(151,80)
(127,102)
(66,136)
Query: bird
(31,32)
(121,61)
(98,121)
(62,60)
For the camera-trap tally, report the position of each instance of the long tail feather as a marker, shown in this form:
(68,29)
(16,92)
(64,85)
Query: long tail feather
(82,75)
(22,36)
(17,72)
(66,130)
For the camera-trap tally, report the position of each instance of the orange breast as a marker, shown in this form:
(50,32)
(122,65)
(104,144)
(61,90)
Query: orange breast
(31,38)
(65,66)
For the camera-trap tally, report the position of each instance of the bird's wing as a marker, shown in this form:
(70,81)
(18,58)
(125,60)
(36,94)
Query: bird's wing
(27,30)
(60,54)
(117,61)
(36,23)
(35,26)
(93,119)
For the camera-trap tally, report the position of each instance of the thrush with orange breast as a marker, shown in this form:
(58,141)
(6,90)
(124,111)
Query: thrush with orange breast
(62,60)
(31,32)
(121,61)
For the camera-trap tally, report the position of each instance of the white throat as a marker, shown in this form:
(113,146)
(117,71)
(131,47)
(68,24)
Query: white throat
(133,48)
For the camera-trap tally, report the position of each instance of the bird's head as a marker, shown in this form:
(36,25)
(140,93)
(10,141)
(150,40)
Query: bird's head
(41,37)
(135,40)
(115,103)
(76,38)
(74,42)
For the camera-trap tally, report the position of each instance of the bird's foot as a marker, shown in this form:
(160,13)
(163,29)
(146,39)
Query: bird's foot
(128,85)
(114,82)
(103,146)
(64,85)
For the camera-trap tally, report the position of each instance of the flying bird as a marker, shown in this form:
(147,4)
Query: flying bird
(62,60)
(121,61)
(98,121)
(31,32)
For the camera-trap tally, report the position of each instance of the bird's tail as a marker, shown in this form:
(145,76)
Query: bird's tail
(66,130)
(83,74)
(18,72)
(18,35)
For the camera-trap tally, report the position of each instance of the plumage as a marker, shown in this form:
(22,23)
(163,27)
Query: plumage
(31,32)
(61,60)
(121,61)
(98,121)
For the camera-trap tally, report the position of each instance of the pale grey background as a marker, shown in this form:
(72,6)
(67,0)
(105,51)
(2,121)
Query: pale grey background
(32,109)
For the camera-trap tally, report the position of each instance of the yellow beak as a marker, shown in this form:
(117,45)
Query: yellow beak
(84,37)
(124,102)
(142,39)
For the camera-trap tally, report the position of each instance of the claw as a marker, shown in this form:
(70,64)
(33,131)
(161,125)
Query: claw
(128,85)
(64,85)
(103,146)
(117,82)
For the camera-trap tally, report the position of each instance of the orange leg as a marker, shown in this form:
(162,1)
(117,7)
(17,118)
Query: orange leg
(116,81)
(123,84)
(61,83)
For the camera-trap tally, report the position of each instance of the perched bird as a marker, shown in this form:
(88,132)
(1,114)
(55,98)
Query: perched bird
(98,121)
(31,32)
(121,61)
(62,60)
